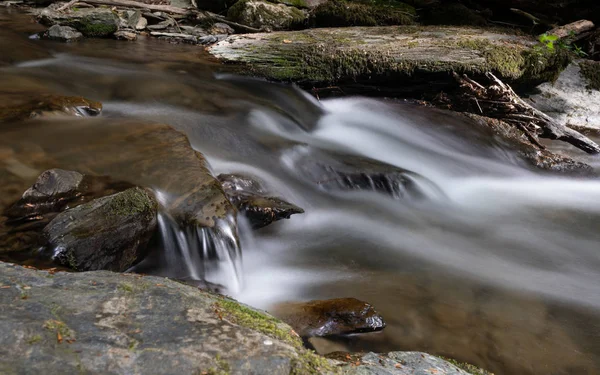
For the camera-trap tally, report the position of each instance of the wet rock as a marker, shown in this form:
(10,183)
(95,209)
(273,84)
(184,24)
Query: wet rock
(221,28)
(93,321)
(341,13)
(141,24)
(574,98)
(530,153)
(63,33)
(336,171)
(401,58)
(125,35)
(108,233)
(92,22)
(398,363)
(261,14)
(338,316)
(23,105)
(252,200)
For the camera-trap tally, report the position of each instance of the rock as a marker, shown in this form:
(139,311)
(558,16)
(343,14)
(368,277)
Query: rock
(399,363)
(63,33)
(108,233)
(99,322)
(252,200)
(341,13)
(574,98)
(530,153)
(338,316)
(221,28)
(92,22)
(336,171)
(125,35)
(194,30)
(146,155)
(129,19)
(261,14)
(22,105)
(404,59)
(141,24)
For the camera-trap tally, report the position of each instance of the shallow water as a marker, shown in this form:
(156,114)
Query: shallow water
(495,264)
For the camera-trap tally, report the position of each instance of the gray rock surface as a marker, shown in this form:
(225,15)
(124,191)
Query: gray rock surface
(570,99)
(63,33)
(92,22)
(261,14)
(403,363)
(108,233)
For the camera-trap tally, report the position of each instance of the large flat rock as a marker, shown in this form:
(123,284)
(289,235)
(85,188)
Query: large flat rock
(389,55)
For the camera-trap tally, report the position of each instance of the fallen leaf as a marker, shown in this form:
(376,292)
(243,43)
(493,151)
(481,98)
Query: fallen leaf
(397,365)
(287,41)
(160,284)
(4,286)
(59,337)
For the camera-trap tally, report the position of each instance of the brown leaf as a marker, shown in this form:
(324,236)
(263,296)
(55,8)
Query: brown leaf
(4,286)
(287,41)
(397,365)
(59,337)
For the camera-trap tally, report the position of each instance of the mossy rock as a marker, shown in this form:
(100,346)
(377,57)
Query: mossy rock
(336,13)
(261,14)
(395,56)
(95,22)
(590,70)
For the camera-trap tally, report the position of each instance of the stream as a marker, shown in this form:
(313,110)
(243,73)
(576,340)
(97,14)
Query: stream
(492,262)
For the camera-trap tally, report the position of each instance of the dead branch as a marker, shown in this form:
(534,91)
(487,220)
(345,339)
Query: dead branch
(498,100)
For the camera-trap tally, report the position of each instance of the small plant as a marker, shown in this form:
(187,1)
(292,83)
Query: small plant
(548,40)
(553,42)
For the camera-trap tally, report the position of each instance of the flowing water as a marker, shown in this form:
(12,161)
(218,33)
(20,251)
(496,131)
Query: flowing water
(492,262)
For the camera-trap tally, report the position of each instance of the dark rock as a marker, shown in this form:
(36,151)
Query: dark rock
(454,14)
(341,13)
(338,316)
(252,200)
(63,33)
(336,171)
(23,105)
(261,14)
(108,233)
(125,35)
(92,22)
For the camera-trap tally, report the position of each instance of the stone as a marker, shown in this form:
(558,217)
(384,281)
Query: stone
(342,13)
(261,14)
(91,22)
(221,28)
(108,233)
(130,18)
(22,105)
(574,98)
(330,317)
(341,172)
(63,33)
(141,24)
(125,35)
(194,30)
(402,58)
(252,200)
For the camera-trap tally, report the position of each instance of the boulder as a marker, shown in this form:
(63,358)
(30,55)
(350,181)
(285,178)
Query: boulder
(252,200)
(330,317)
(109,233)
(341,13)
(22,105)
(403,59)
(574,98)
(63,33)
(261,14)
(92,22)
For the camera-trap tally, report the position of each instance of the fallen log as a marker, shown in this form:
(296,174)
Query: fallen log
(573,31)
(499,101)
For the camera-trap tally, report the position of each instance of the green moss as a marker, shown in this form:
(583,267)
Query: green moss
(471,369)
(261,14)
(336,13)
(308,363)
(294,3)
(245,316)
(131,202)
(90,28)
(34,339)
(590,70)
(71,260)
(60,328)
(125,287)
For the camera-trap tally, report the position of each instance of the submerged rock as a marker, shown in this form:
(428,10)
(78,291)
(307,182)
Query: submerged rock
(63,33)
(574,98)
(261,14)
(23,105)
(92,22)
(108,233)
(252,200)
(338,316)
(337,171)
(401,58)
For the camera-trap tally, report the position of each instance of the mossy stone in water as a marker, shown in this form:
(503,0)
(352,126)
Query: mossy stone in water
(96,22)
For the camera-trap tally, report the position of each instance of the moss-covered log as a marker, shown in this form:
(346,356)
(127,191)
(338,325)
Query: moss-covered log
(391,55)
